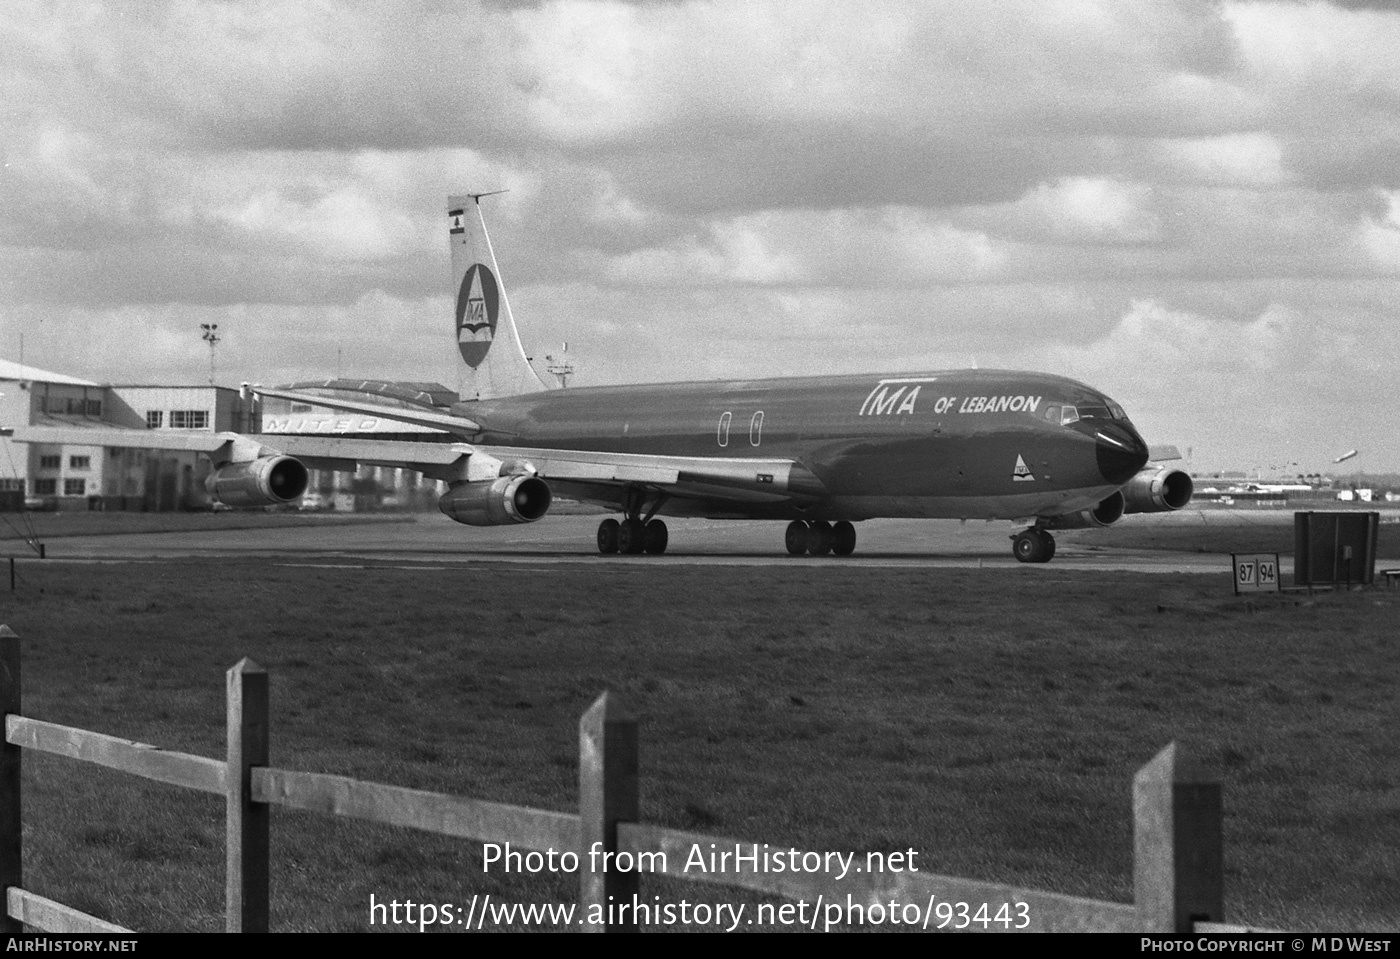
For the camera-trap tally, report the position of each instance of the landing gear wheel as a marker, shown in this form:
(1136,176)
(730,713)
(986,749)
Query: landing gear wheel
(631,537)
(1033,546)
(796,537)
(607,536)
(654,538)
(843,541)
(821,538)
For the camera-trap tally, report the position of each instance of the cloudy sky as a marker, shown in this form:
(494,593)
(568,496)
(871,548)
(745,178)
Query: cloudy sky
(1194,206)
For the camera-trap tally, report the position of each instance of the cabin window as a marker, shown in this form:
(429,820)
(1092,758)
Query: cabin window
(756,429)
(722,436)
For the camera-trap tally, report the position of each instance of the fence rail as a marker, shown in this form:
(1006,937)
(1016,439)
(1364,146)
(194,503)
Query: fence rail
(1177,850)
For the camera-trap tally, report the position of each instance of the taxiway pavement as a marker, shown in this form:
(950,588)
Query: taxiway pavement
(436,540)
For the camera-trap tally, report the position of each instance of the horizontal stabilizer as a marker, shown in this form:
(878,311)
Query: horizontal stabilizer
(1162,454)
(428,395)
(450,422)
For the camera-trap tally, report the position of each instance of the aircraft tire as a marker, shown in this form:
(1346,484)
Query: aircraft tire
(843,539)
(631,537)
(655,537)
(1049,546)
(1028,547)
(822,540)
(607,536)
(796,537)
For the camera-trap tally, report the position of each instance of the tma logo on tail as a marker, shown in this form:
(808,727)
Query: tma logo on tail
(478,302)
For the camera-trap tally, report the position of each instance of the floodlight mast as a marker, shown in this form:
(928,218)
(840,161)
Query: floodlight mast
(210,336)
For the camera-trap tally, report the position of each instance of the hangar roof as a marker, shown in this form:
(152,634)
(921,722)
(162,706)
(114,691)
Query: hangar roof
(16,371)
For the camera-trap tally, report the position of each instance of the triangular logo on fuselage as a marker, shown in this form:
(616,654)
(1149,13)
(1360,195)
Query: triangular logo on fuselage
(1022,473)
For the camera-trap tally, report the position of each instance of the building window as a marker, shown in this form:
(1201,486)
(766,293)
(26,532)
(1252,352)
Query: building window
(45,487)
(94,407)
(155,419)
(74,487)
(189,419)
(50,462)
(80,462)
(11,486)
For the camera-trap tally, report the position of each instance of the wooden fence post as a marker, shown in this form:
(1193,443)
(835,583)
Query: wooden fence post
(11,863)
(607,795)
(246,893)
(1178,860)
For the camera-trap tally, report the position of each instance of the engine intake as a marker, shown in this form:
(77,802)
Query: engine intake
(1157,489)
(266,481)
(1108,512)
(510,499)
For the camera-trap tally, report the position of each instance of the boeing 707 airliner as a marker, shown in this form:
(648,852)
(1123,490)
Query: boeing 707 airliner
(821,453)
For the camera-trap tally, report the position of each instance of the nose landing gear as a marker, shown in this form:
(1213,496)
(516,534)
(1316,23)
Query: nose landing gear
(1034,545)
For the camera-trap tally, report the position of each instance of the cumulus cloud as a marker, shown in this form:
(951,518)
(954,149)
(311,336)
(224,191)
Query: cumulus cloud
(1189,198)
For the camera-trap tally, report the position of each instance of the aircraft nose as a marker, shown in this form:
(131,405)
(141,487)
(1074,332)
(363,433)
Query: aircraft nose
(1121,452)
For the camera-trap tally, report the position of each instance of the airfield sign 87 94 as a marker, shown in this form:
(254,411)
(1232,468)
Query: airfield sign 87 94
(1255,572)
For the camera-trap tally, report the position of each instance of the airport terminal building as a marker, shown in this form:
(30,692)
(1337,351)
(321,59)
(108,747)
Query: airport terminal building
(72,476)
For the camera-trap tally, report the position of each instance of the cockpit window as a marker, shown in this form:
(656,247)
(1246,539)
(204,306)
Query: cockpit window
(1093,413)
(1069,415)
(1117,411)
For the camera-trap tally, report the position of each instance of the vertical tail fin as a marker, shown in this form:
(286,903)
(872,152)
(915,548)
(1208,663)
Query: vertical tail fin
(493,360)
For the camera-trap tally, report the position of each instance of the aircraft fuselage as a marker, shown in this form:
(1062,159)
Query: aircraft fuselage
(966,443)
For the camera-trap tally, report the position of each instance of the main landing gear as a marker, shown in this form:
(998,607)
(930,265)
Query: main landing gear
(637,533)
(819,538)
(1034,545)
(632,536)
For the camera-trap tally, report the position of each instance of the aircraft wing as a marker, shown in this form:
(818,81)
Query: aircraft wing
(747,479)
(316,452)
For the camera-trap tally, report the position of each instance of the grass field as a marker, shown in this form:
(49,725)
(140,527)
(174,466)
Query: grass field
(990,719)
(1197,538)
(56,525)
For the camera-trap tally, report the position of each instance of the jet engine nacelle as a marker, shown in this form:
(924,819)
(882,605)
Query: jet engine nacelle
(266,481)
(1157,489)
(510,499)
(1108,512)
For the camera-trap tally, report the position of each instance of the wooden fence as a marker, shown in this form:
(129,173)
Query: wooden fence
(1177,856)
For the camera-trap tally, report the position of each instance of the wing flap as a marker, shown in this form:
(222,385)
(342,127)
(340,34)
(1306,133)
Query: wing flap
(750,476)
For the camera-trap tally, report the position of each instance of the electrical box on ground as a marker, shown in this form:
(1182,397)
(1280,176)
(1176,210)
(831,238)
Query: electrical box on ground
(1335,547)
